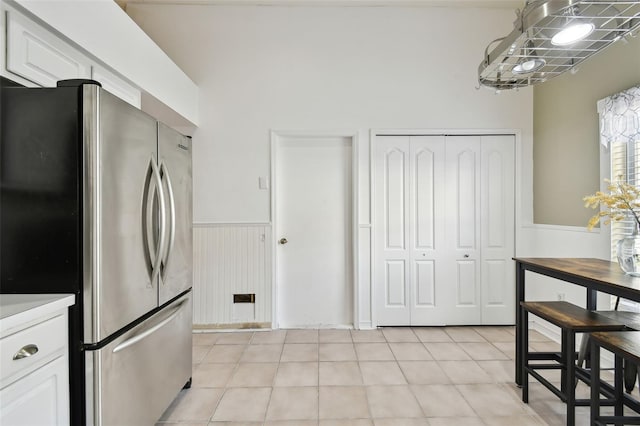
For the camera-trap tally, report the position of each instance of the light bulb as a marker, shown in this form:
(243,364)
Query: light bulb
(527,66)
(572,33)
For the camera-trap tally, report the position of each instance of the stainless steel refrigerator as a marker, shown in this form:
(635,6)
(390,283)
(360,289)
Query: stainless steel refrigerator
(95,200)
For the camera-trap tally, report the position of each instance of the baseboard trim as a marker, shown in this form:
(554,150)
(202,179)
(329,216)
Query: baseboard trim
(365,325)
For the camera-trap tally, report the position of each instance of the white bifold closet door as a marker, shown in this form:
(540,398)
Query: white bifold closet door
(444,230)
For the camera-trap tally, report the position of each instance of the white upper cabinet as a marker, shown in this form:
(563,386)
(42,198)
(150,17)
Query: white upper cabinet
(116,85)
(123,57)
(34,54)
(37,56)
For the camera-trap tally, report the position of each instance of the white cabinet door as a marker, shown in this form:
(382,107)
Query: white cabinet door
(38,399)
(444,230)
(36,55)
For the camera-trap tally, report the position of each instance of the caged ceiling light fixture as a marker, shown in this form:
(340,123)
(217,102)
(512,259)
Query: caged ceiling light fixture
(529,63)
(553,36)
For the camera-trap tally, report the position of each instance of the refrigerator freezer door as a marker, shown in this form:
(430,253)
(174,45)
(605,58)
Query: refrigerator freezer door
(133,379)
(121,220)
(177,256)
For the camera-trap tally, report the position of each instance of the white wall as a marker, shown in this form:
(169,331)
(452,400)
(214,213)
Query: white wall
(262,68)
(327,68)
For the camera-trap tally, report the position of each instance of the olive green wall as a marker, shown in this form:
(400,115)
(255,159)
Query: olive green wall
(566,155)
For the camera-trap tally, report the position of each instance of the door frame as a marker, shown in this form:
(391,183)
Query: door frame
(376,133)
(277,137)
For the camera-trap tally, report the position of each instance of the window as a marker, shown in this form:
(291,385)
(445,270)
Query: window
(625,166)
(620,130)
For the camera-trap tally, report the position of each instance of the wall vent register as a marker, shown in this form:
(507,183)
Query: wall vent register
(551,37)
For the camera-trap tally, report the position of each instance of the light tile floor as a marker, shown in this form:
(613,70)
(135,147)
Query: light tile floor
(436,376)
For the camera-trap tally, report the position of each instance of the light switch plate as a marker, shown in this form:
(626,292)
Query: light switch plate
(263,182)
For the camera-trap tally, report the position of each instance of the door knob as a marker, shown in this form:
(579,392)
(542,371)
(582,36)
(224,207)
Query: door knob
(283,241)
(466,256)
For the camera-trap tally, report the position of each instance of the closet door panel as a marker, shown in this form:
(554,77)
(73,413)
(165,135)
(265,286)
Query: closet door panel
(466,209)
(497,229)
(466,284)
(394,203)
(426,203)
(395,284)
(424,191)
(462,226)
(425,283)
(391,268)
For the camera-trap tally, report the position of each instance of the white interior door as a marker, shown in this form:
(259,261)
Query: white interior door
(444,230)
(313,213)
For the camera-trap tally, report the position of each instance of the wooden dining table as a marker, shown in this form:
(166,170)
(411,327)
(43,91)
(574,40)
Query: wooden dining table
(595,275)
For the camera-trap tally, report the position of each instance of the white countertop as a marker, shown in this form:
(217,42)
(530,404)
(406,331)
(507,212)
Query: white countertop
(18,309)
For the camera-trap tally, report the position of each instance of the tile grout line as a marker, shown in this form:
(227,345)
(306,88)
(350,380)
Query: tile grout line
(273,381)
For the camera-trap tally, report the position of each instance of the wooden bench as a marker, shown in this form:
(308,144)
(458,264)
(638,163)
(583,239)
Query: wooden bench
(624,345)
(571,319)
(632,321)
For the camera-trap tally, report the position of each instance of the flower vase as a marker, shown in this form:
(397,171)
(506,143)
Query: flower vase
(628,251)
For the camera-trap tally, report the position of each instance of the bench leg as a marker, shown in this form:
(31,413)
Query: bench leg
(630,369)
(595,383)
(618,385)
(570,351)
(566,359)
(584,350)
(524,344)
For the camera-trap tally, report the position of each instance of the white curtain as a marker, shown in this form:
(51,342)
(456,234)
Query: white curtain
(620,117)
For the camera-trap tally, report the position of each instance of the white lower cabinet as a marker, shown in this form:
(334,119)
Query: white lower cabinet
(40,398)
(34,360)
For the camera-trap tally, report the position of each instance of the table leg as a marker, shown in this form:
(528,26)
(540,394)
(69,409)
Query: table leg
(520,346)
(592,305)
(569,377)
(592,299)
(595,383)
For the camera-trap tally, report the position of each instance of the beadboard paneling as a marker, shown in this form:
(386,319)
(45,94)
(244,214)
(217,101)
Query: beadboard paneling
(231,259)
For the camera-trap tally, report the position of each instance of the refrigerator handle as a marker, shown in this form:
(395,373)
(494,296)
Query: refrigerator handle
(172,216)
(163,223)
(147,219)
(135,339)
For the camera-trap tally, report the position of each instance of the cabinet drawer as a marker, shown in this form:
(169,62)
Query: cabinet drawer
(48,337)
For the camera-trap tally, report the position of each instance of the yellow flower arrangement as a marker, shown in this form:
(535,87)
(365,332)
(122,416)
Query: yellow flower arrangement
(623,199)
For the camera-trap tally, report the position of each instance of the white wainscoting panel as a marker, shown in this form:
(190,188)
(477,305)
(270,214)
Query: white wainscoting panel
(231,259)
